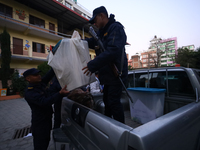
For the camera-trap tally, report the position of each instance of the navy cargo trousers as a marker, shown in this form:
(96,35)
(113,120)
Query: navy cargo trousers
(111,98)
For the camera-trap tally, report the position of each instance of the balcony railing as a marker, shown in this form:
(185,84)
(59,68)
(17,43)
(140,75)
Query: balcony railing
(22,51)
(72,4)
(24,21)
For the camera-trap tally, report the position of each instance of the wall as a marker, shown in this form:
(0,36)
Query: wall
(29,11)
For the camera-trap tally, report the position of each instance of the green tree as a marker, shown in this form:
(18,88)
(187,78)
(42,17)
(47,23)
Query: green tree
(197,57)
(186,58)
(5,58)
(130,67)
(18,83)
(44,68)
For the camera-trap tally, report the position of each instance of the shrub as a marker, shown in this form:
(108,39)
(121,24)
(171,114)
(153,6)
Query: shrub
(5,58)
(18,83)
(44,68)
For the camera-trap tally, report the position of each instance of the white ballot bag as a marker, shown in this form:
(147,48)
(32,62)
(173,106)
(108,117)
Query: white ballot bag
(71,56)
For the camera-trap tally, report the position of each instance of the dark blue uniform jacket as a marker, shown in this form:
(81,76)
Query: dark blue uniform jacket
(40,101)
(113,38)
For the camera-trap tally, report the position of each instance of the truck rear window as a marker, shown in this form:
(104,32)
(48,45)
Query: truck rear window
(178,82)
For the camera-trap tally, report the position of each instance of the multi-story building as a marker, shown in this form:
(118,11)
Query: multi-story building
(35,26)
(169,49)
(160,53)
(75,6)
(135,61)
(149,58)
(190,47)
(166,50)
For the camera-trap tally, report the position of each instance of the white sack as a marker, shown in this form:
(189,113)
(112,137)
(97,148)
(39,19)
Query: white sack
(71,56)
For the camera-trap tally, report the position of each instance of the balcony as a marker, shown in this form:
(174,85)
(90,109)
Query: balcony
(68,18)
(29,29)
(77,7)
(24,55)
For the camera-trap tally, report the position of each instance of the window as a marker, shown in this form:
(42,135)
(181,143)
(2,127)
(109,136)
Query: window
(51,28)
(144,65)
(173,51)
(157,80)
(171,46)
(179,84)
(144,56)
(162,48)
(140,79)
(17,46)
(68,5)
(36,21)
(62,27)
(5,10)
(171,55)
(37,47)
(191,47)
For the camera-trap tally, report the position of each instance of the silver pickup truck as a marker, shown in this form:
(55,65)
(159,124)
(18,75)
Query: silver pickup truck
(177,129)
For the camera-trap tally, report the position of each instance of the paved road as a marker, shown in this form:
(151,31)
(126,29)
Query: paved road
(15,114)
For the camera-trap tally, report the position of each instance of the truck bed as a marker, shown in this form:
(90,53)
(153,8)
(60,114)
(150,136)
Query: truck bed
(178,127)
(88,129)
(129,121)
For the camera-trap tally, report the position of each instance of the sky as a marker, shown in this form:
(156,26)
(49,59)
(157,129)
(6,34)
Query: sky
(143,19)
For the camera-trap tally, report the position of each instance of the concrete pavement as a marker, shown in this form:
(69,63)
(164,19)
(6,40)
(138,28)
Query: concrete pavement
(15,114)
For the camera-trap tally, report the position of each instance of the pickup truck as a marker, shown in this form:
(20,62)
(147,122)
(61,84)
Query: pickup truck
(177,129)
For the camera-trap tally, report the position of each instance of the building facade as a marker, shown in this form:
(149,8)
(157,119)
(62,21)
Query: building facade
(78,8)
(136,62)
(149,58)
(35,26)
(190,47)
(166,50)
(169,49)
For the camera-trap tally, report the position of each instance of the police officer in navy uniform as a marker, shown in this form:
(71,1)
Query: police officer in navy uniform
(40,102)
(113,37)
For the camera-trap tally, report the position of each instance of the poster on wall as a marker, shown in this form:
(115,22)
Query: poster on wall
(3,92)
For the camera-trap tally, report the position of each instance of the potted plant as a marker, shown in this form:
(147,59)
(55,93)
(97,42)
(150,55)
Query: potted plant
(21,14)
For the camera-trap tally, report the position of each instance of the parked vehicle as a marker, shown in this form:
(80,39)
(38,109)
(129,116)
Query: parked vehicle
(177,129)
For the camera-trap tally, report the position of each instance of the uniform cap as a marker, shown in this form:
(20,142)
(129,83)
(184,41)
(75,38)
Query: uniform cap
(31,71)
(97,11)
